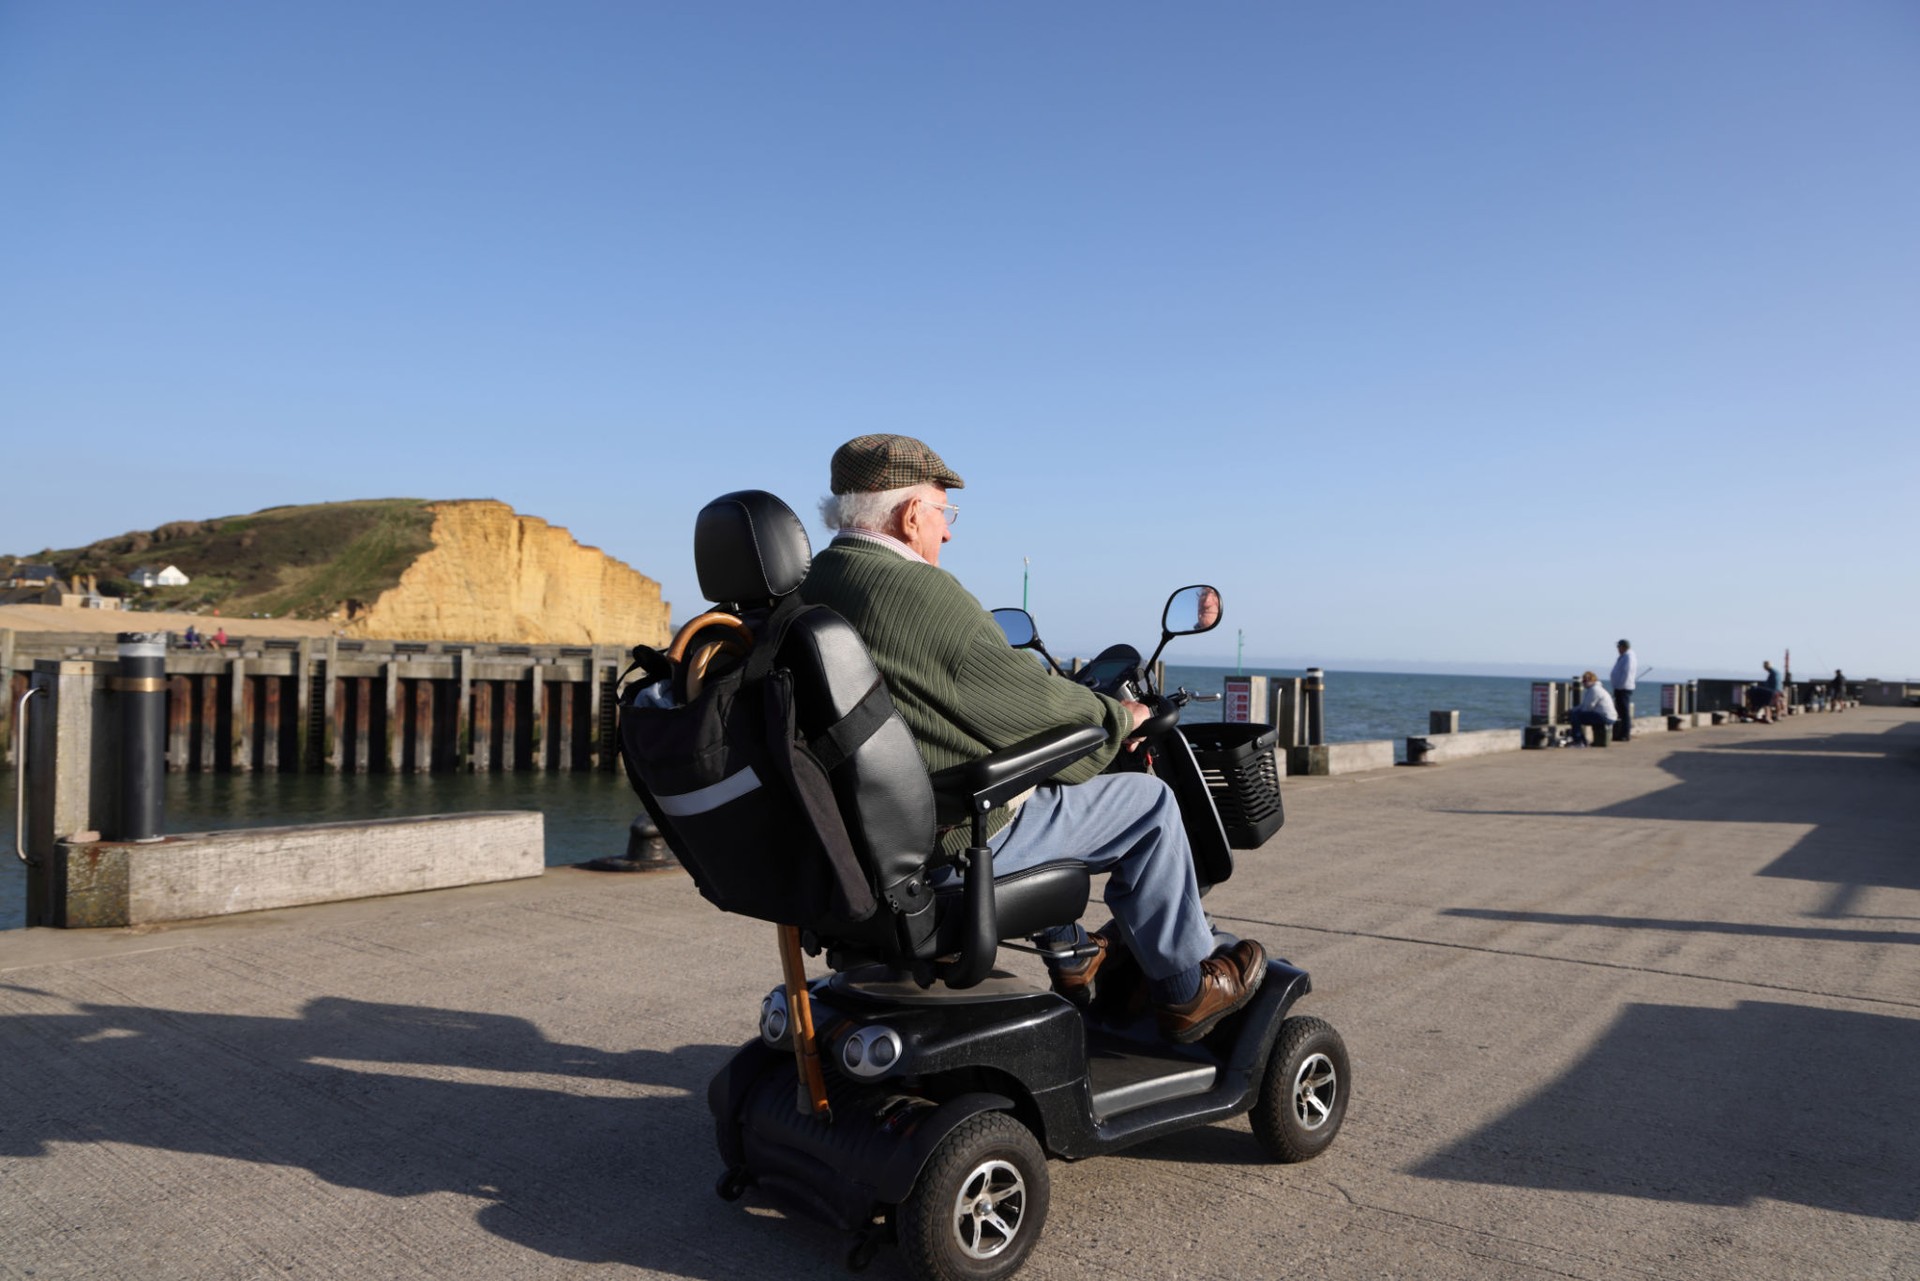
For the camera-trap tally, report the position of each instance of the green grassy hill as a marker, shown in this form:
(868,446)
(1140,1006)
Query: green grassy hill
(287,562)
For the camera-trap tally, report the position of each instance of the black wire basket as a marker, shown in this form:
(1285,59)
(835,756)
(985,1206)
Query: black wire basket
(1238,763)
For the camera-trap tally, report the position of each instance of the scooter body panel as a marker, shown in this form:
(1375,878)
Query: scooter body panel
(1025,1051)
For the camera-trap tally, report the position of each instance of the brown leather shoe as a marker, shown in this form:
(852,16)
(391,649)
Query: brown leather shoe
(1227,982)
(1077,984)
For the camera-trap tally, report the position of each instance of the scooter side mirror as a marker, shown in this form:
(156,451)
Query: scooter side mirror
(1191,610)
(1017,626)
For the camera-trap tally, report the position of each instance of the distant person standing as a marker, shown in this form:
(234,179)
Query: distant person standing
(1626,672)
(1837,692)
(1595,709)
(1762,697)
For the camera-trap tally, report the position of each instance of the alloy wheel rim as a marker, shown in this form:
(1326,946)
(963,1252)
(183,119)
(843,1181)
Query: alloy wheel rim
(988,1209)
(1314,1088)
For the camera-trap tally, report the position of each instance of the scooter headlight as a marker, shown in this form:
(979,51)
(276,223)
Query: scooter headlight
(774,1020)
(870,1051)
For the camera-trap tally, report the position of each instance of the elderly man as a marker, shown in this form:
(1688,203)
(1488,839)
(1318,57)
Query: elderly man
(1626,674)
(965,694)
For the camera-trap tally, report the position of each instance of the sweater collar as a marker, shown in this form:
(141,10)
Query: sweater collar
(878,539)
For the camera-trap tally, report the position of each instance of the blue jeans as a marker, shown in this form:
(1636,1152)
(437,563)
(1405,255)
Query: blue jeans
(1128,826)
(1580,718)
(1623,704)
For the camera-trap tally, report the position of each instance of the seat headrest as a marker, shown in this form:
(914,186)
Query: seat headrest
(749,547)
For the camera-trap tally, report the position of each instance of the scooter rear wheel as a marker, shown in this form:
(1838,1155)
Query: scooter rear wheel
(1303,1098)
(979,1205)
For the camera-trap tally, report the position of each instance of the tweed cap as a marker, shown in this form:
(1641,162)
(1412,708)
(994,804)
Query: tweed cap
(870,464)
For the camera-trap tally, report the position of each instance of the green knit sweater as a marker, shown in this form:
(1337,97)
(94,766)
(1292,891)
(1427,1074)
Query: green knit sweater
(961,690)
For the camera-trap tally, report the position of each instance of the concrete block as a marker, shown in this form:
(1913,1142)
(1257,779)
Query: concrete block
(1340,758)
(1479,742)
(253,869)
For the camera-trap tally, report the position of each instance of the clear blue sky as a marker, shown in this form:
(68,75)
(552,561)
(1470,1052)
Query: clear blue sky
(1471,333)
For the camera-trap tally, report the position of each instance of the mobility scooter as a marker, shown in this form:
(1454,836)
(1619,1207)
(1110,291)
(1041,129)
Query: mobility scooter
(914,1094)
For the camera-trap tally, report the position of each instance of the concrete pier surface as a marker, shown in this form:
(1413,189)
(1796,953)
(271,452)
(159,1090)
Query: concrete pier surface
(1647,1011)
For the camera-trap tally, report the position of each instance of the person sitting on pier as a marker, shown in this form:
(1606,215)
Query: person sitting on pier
(1596,709)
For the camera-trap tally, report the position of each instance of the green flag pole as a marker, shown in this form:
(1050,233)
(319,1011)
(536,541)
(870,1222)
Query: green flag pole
(1026,567)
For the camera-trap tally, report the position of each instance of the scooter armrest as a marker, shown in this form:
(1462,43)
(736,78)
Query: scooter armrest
(980,943)
(979,785)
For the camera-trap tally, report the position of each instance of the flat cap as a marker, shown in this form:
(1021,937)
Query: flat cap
(870,464)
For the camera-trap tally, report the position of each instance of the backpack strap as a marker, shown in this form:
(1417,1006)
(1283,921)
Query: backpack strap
(773,635)
(834,745)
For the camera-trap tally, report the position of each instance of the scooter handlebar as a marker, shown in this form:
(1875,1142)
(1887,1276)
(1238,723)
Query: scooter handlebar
(1163,715)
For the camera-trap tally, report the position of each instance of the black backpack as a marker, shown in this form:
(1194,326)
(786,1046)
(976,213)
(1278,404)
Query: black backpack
(740,794)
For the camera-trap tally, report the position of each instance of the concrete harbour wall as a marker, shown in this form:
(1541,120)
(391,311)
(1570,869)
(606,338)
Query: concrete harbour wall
(97,883)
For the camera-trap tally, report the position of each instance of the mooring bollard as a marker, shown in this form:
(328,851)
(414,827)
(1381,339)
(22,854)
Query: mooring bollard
(140,688)
(1315,693)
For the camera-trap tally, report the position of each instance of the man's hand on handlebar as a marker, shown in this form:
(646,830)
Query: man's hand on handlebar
(1140,712)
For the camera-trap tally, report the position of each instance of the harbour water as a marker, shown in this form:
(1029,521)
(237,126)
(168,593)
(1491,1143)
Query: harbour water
(1367,705)
(587,813)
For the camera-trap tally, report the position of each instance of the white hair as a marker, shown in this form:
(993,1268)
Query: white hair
(872,511)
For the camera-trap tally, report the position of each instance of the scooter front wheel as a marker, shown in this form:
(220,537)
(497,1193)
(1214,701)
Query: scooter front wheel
(1303,1098)
(979,1204)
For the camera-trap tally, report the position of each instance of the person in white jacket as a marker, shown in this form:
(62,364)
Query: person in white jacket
(1626,674)
(1596,708)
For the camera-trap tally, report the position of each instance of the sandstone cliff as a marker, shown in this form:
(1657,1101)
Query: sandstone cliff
(494,575)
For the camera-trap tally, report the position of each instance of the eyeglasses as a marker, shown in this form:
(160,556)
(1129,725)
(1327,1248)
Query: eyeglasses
(949,511)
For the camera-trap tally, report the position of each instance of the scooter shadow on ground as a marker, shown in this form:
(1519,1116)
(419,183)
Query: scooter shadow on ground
(571,1164)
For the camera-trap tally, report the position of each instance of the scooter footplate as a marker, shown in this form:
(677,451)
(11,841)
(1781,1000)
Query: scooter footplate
(1125,1076)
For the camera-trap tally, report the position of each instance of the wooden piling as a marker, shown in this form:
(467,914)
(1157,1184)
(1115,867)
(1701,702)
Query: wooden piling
(480,758)
(462,724)
(537,724)
(422,726)
(510,755)
(394,745)
(179,724)
(302,703)
(332,714)
(595,747)
(8,679)
(270,724)
(209,721)
(362,723)
(239,717)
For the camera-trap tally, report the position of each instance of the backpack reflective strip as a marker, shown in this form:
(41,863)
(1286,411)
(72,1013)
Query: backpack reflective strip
(710,797)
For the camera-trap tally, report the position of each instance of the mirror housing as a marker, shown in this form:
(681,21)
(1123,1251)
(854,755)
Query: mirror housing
(1017,626)
(1191,610)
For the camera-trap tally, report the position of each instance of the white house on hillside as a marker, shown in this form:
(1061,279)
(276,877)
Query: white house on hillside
(147,576)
